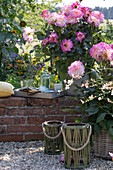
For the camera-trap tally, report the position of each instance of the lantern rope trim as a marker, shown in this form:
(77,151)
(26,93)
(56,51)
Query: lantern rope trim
(77,149)
(50,137)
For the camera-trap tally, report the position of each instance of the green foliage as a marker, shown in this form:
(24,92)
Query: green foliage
(32,13)
(97,100)
(10,31)
(12,16)
(109,32)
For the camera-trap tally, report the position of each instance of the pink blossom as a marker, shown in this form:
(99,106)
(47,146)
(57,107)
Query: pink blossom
(75,5)
(100,98)
(51,19)
(111,45)
(92,19)
(76,70)
(108,85)
(62,158)
(111,62)
(44,13)
(66,9)
(111,154)
(28,34)
(66,45)
(45,41)
(86,84)
(77,13)
(80,36)
(68,83)
(99,15)
(85,11)
(71,19)
(53,38)
(110,56)
(101,52)
(60,20)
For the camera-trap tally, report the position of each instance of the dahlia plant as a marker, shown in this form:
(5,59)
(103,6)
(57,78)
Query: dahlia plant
(97,99)
(69,35)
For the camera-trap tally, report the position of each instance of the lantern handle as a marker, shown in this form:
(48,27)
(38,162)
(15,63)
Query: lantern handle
(82,147)
(50,137)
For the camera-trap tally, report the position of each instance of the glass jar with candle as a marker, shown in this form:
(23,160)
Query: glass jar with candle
(44,82)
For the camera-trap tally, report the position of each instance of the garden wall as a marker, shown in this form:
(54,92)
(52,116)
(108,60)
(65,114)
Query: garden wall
(21,118)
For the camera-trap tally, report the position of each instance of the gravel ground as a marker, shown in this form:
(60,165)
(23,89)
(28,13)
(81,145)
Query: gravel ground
(30,156)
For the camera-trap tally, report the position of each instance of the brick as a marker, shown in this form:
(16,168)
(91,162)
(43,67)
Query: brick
(58,101)
(50,118)
(2,130)
(35,120)
(39,102)
(59,111)
(11,121)
(45,102)
(3,112)
(29,137)
(12,102)
(70,101)
(11,137)
(24,129)
(27,111)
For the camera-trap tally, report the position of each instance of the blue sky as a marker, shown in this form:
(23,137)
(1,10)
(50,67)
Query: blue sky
(91,3)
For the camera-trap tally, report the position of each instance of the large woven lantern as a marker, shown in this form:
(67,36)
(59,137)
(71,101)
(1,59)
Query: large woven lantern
(76,145)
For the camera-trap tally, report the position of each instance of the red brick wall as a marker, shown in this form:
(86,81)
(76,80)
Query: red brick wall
(21,118)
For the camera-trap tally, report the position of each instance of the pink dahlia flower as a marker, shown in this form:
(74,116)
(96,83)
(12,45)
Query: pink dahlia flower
(75,5)
(66,9)
(77,13)
(111,45)
(51,19)
(53,38)
(76,70)
(80,36)
(66,45)
(71,19)
(85,11)
(101,52)
(45,41)
(60,20)
(44,13)
(28,34)
(99,15)
(92,19)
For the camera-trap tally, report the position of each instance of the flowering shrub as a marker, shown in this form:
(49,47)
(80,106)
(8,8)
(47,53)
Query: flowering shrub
(73,40)
(69,35)
(97,99)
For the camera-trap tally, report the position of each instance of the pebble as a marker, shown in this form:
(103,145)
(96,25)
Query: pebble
(31,156)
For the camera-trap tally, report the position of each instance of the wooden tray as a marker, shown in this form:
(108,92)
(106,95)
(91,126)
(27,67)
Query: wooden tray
(38,94)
